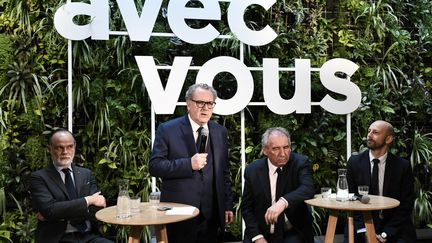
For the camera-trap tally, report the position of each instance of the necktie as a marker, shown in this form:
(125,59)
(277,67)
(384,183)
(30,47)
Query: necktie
(69,184)
(198,141)
(279,184)
(374,179)
(279,227)
(80,225)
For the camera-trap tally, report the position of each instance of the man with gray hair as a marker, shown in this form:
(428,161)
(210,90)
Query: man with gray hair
(277,215)
(190,154)
(66,196)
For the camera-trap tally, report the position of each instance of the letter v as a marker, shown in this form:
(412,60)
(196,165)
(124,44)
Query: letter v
(139,28)
(164,101)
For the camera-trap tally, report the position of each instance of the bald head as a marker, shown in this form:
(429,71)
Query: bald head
(385,126)
(380,136)
(62,148)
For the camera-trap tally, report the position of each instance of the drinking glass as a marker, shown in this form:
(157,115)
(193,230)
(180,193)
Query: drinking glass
(326,192)
(363,190)
(135,203)
(154,199)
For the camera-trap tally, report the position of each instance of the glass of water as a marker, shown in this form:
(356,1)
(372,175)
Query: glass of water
(154,199)
(135,203)
(326,192)
(363,190)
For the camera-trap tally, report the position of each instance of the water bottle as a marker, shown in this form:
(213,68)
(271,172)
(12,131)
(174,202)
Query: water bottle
(123,200)
(342,186)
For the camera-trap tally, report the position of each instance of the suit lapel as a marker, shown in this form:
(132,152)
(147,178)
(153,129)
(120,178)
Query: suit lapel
(213,138)
(78,179)
(285,174)
(368,166)
(264,180)
(387,173)
(55,176)
(188,136)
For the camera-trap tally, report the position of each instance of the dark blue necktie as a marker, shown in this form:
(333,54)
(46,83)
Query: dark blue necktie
(69,184)
(80,225)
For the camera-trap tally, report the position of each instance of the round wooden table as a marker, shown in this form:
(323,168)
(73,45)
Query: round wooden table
(375,203)
(148,215)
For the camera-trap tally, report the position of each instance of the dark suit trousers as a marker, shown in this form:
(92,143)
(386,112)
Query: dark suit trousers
(196,230)
(203,228)
(290,236)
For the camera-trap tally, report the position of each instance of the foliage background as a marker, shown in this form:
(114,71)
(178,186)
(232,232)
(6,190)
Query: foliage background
(388,39)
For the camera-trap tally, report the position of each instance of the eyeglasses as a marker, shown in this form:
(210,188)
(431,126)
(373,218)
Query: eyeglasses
(200,104)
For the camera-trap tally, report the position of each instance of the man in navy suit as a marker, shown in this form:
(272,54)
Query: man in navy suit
(275,188)
(64,215)
(393,178)
(190,177)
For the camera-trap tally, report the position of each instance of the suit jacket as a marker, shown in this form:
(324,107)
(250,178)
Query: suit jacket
(398,184)
(173,148)
(257,197)
(50,198)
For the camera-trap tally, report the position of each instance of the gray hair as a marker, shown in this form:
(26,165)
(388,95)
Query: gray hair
(191,90)
(60,130)
(274,130)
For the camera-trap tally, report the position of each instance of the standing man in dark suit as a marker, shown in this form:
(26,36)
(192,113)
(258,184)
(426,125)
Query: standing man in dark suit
(275,188)
(393,178)
(65,196)
(188,176)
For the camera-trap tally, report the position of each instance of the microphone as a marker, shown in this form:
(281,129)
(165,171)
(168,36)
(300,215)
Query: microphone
(202,140)
(362,198)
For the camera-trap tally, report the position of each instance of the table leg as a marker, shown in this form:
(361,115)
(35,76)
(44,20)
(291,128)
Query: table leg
(370,229)
(331,226)
(350,227)
(135,234)
(161,234)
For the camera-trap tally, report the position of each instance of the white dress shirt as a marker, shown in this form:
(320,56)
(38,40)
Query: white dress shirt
(195,127)
(69,227)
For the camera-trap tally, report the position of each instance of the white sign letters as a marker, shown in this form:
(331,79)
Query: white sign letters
(166,100)
(140,27)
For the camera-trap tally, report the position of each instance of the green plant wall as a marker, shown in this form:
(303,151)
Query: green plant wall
(389,39)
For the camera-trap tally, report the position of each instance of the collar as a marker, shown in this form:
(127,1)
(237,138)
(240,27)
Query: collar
(195,125)
(59,169)
(272,168)
(382,159)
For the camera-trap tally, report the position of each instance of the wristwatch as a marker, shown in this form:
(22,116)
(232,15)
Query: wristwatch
(384,235)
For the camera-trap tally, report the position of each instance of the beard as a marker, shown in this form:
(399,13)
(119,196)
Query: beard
(62,162)
(373,145)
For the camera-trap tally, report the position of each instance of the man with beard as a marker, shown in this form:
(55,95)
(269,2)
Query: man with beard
(386,175)
(66,196)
